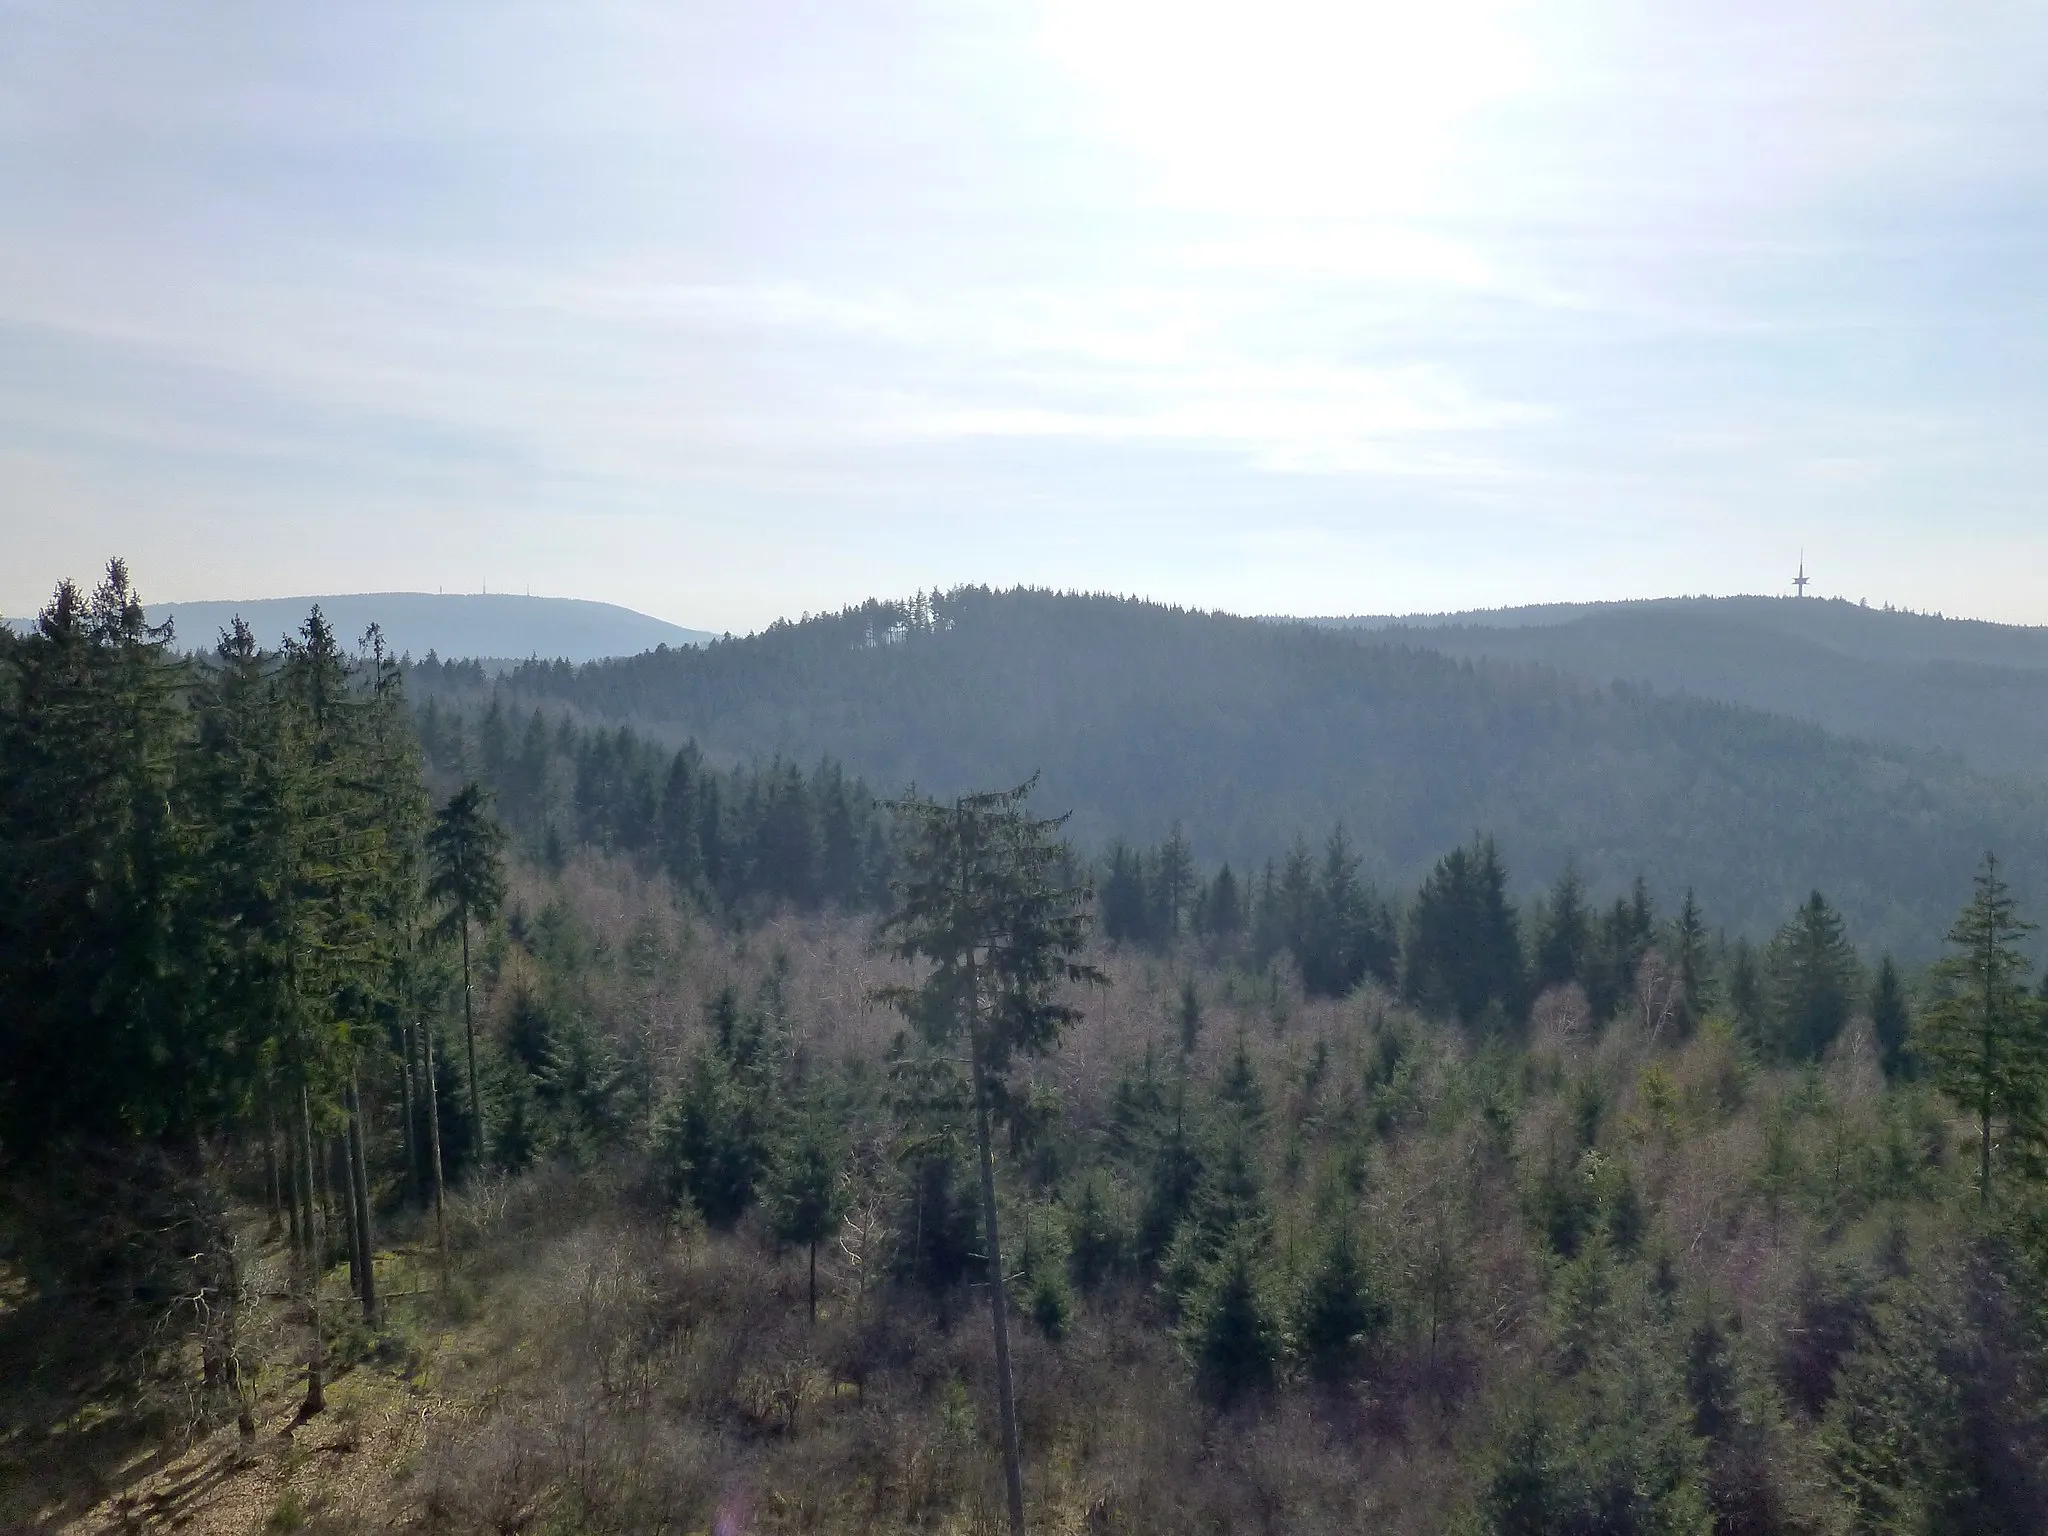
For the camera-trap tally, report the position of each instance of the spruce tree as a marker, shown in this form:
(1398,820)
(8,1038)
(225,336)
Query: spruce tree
(806,1194)
(1566,933)
(1984,1038)
(1340,1312)
(1812,978)
(1891,1019)
(980,904)
(1233,1333)
(1689,958)
(466,851)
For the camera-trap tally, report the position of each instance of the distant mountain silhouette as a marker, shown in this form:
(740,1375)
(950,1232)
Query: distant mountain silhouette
(455,624)
(1252,732)
(1950,685)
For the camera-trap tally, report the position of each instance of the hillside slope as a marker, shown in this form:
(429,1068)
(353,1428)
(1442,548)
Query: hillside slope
(454,624)
(1914,680)
(1251,732)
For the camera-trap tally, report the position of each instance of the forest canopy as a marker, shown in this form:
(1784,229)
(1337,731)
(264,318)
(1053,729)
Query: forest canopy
(584,1131)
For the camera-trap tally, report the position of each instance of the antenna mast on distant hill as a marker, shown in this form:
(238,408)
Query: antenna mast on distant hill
(1802,578)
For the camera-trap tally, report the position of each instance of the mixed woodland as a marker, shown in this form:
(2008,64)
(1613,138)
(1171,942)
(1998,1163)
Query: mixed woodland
(434,1105)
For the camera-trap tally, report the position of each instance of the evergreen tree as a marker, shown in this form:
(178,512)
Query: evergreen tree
(806,1193)
(1125,913)
(1891,1019)
(979,903)
(1232,1332)
(1175,879)
(1565,936)
(97,851)
(1223,908)
(1463,955)
(681,833)
(1340,1312)
(1984,1039)
(1812,976)
(466,847)
(1689,959)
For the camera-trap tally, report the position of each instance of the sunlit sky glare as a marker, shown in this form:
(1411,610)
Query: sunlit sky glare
(740,311)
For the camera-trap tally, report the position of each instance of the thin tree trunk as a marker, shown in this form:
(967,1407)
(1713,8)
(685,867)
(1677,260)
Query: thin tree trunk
(1990,1068)
(341,1188)
(998,1301)
(291,1180)
(359,1186)
(316,1357)
(409,1109)
(245,1400)
(270,1180)
(476,1103)
(814,1282)
(434,1146)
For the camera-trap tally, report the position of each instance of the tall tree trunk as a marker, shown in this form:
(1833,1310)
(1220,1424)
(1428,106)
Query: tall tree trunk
(270,1179)
(814,1282)
(293,1234)
(316,1356)
(434,1147)
(341,1187)
(245,1400)
(359,1190)
(476,1103)
(998,1301)
(409,1108)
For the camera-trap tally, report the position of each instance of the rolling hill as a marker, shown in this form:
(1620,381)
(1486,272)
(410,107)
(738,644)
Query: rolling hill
(453,624)
(1252,732)
(1918,680)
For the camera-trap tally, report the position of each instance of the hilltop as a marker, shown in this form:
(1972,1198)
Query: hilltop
(1912,679)
(453,624)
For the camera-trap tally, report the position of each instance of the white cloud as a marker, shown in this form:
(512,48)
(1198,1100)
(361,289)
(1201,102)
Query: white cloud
(784,287)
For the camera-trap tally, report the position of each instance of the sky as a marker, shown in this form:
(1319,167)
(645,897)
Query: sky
(735,312)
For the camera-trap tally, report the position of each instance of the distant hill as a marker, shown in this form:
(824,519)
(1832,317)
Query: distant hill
(456,624)
(1250,732)
(1918,680)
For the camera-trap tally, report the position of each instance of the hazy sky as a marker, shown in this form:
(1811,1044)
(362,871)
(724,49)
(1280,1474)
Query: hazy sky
(728,312)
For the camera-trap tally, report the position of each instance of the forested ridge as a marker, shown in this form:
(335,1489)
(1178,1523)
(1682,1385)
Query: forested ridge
(432,1109)
(1248,733)
(1978,692)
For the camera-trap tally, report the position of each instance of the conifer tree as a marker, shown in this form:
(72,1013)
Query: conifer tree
(1984,1038)
(1812,976)
(1340,1313)
(465,848)
(1566,933)
(1464,955)
(1891,1019)
(806,1194)
(1233,1332)
(1689,959)
(1223,908)
(980,905)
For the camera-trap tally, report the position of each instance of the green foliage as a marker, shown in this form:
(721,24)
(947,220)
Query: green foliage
(1812,980)
(1232,1330)
(1098,1232)
(1463,958)
(1342,1313)
(1140,715)
(717,1135)
(1985,1038)
(1891,1019)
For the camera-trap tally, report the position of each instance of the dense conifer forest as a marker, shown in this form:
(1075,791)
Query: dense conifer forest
(455,1108)
(1249,733)
(1976,691)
